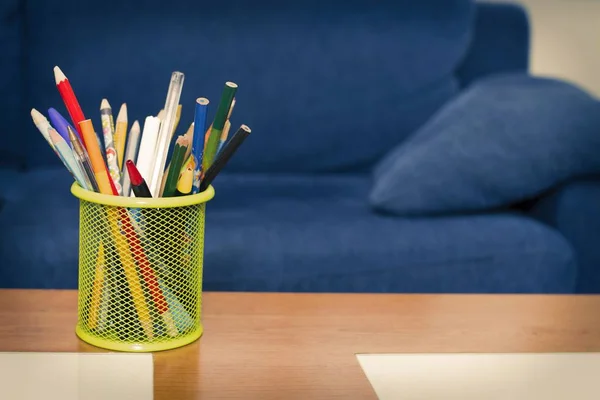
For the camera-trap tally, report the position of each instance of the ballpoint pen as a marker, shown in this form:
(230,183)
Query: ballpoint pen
(83,159)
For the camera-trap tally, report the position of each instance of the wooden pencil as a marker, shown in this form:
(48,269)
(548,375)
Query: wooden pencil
(218,124)
(121,135)
(177,160)
(108,129)
(68,95)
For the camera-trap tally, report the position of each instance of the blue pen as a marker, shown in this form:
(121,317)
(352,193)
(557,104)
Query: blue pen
(60,124)
(198,143)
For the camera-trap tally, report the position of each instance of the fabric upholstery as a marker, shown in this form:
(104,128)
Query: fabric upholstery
(573,209)
(504,140)
(501,42)
(12,98)
(296,64)
(301,233)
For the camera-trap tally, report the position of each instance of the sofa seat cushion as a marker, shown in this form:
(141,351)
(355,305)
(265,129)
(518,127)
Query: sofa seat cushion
(301,233)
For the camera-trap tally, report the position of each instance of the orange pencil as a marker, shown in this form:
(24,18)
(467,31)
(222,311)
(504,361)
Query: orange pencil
(98,165)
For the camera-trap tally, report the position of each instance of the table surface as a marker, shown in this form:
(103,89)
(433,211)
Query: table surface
(303,346)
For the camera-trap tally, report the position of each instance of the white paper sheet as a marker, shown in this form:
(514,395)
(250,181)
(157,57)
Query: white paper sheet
(76,376)
(556,376)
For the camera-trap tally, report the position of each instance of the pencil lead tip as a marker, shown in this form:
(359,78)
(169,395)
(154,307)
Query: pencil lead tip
(104,104)
(59,76)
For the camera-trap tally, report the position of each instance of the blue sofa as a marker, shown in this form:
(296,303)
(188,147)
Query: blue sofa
(328,89)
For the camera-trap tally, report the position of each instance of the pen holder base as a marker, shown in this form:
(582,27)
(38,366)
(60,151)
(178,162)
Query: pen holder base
(140,270)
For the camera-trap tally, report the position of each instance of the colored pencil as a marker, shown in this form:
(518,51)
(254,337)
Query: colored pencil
(145,157)
(177,160)
(66,93)
(226,128)
(93,148)
(131,153)
(138,184)
(184,184)
(121,134)
(97,288)
(83,159)
(218,124)
(141,190)
(66,156)
(108,129)
(190,135)
(59,123)
(128,264)
(199,139)
(225,155)
(164,134)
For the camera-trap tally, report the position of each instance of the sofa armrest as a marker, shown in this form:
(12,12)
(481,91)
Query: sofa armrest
(574,210)
(501,42)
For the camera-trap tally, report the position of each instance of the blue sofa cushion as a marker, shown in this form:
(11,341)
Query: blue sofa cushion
(506,139)
(337,83)
(302,233)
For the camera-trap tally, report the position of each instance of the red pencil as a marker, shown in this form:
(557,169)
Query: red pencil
(68,96)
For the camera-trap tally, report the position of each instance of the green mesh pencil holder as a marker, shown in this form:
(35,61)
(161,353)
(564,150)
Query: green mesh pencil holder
(140,270)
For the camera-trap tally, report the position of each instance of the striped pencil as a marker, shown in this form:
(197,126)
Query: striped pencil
(108,129)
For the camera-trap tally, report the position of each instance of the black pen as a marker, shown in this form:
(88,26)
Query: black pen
(224,156)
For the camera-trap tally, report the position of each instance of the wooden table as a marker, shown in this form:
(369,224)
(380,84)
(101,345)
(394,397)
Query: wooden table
(303,346)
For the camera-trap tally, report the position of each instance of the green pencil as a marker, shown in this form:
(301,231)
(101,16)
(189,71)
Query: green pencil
(218,123)
(181,145)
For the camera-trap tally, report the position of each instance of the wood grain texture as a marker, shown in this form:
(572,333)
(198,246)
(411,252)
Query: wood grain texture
(303,346)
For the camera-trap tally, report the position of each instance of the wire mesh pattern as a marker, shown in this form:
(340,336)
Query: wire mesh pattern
(140,276)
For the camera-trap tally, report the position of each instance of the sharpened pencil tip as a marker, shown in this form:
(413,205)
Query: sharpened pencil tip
(136,125)
(37,116)
(122,116)
(104,104)
(59,76)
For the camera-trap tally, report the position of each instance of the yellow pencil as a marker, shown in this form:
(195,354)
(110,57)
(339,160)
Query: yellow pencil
(121,134)
(130,272)
(97,288)
(184,185)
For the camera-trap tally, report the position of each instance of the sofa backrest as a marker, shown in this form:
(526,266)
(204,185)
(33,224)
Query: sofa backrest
(12,96)
(325,86)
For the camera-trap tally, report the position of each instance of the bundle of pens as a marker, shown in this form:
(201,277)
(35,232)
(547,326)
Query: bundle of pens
(112,164)
(141,261)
